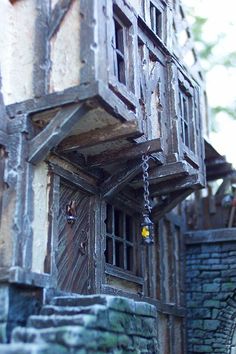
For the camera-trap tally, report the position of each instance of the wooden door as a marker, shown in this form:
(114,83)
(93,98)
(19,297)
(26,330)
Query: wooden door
(74,242)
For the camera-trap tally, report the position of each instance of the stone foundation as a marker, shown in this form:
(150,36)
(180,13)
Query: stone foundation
(211,284)
(91,324)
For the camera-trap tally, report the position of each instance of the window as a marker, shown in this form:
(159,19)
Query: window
(185,111)
(120,230)
(119,51)
(156,20)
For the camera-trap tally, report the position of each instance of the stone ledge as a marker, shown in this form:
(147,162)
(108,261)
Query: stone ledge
(211,236)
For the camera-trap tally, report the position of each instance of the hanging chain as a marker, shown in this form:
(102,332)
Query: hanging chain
(145,167)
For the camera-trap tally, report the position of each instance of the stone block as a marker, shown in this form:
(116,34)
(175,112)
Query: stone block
(229,246)
(211,288)
(211,303)
(124,341)
(61,320)
(193,274)
(201,313)
(193,262)
(211,248)
(209,274)
(24,348)
(230,260)
(145,309)
(119,321)
(211,325)
(121,304)
(219,266)
(203,255)
(228,287)
(146,326)
(202,349)
(211,261)
(196,324)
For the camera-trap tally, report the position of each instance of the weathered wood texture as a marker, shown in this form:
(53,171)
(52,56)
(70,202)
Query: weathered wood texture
(55,131)
(74,243)
(119,179)
(100,135)
(126,153)
(41,50)
(172,201)
(57,15)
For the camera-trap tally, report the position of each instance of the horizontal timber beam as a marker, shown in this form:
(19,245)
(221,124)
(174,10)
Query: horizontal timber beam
(166,172)
(125,153)
(71,95)
(55,131)
(174,199)
(119,180)
(167,187)
(100,135)
(210,236)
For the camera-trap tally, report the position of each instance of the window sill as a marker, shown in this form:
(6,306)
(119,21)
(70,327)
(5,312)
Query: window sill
(123,274)
(123,92)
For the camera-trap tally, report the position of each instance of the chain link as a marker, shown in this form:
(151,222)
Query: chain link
(145,167)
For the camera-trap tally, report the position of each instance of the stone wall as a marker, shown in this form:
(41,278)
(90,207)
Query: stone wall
(210,284)
(88,324)
(17,303)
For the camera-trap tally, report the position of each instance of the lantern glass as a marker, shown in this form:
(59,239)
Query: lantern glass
(147,230)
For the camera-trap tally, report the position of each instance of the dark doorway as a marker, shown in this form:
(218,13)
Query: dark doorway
(74,241)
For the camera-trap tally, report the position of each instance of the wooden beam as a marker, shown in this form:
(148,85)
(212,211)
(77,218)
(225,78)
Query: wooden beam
(55,131)
(166,172)
(100,135)
(167,187)
(53,100)
(125,153)
(175,198)
(119,180)
(74,178)
(58,13)
(210,236)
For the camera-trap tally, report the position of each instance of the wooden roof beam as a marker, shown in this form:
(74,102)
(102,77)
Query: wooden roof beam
(58,128)
(100,136)
(166,172)
(163,188)
(175,198)
(119,180)
(125,153)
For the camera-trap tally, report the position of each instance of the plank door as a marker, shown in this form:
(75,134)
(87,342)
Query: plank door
(74,242)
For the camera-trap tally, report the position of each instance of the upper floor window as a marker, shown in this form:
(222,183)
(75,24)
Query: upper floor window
(120,239)
(156,20)
(119,51)
(120,32)
(185,112)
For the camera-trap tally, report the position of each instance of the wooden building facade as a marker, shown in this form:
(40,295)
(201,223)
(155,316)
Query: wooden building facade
(88,88)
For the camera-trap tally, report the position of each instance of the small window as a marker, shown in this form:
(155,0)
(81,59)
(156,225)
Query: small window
(119,51)
(156,20)
(120,229)
(185,109)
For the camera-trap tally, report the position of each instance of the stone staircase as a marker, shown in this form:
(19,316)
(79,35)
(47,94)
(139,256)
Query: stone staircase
(88,324)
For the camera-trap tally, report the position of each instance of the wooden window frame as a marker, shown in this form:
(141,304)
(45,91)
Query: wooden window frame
(156,19)
(185,109)
(133,275)
(123,84)
(119,47)
(187,120)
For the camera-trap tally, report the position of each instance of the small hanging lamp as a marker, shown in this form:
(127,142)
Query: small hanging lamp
(147,226)
(71,212)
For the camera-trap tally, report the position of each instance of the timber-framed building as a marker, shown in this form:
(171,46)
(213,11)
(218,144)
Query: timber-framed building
(89,87)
